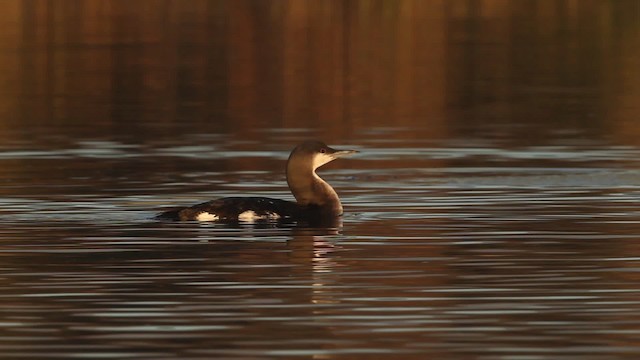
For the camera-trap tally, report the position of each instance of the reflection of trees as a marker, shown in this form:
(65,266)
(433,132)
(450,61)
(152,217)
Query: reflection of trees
(336,66)
(541,64)
(324,64)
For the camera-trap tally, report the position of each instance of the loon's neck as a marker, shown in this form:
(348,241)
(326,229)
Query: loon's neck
(309,189)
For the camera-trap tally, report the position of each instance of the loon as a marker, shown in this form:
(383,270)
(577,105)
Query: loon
(316,200)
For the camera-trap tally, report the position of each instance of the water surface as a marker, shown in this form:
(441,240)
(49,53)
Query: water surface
(490,214)
(498,259)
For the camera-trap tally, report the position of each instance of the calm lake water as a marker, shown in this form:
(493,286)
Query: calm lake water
(490,214)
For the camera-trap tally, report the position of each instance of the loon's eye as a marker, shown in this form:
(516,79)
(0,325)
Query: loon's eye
(323,150)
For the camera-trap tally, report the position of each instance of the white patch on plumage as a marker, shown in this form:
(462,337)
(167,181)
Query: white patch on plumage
(248,215)
(251,216)
(205,216)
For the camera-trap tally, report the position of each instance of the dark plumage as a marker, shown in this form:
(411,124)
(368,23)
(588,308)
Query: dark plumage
(315,198)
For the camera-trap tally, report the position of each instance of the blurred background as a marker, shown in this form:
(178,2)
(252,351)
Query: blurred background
(526,71)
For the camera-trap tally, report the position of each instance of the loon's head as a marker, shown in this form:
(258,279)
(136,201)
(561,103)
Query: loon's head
(314,154)
(306,186)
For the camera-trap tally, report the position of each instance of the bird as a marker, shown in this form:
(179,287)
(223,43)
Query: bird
(315,199)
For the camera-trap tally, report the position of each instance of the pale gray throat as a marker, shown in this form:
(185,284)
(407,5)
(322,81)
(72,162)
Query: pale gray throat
(309,189)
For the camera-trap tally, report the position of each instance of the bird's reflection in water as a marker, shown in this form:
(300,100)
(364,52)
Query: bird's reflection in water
(312,249)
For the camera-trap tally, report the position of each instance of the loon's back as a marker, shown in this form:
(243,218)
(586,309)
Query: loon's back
(237,209)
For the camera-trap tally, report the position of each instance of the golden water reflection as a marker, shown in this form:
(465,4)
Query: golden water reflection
(150,68)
